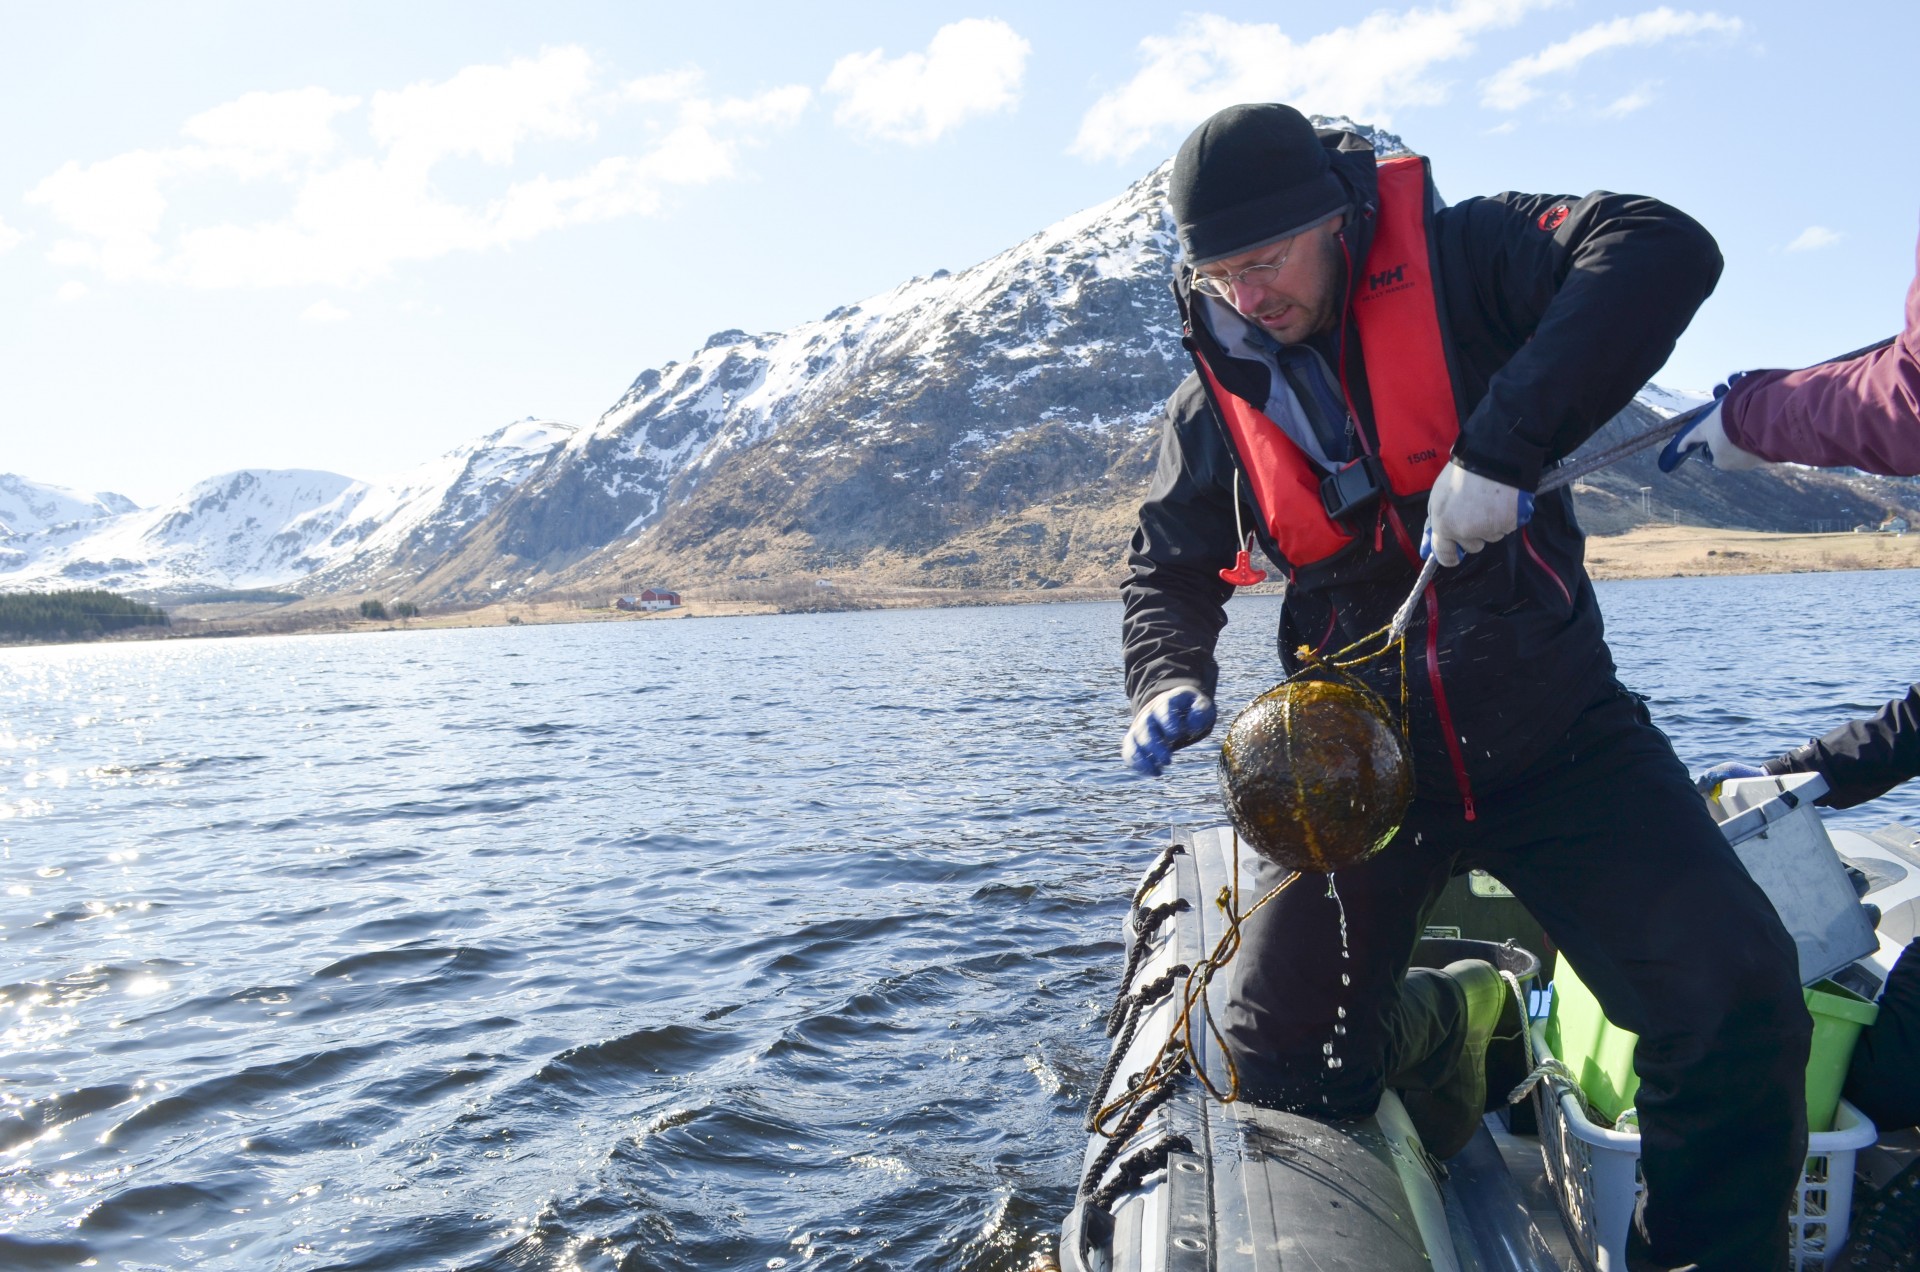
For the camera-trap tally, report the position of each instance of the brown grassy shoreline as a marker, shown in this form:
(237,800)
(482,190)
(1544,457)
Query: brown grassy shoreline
(1660,552)
(1648,552)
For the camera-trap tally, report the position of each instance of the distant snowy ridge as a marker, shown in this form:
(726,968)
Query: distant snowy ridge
(267,528)
(225,532)
(27,506)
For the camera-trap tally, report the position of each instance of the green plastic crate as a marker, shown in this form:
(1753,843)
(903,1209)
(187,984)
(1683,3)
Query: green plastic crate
(1600,1053)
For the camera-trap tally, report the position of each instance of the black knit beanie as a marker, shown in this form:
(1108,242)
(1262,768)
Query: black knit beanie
(1249,176)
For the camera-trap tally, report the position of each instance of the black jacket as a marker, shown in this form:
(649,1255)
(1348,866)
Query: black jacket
(1862,759)
(1557,310)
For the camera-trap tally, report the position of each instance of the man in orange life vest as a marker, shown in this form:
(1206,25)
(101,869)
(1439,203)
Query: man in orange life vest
(1375,372)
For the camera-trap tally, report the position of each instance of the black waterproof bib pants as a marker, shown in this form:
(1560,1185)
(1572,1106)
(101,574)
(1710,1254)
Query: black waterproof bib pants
(1606,842)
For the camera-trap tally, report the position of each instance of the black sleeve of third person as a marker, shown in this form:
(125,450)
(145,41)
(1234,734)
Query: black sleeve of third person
(1862,759)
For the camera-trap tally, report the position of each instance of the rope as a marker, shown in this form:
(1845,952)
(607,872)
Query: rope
(1135,1169)
(1136,1117)
(1175,1055)
(1096,1215)
(1553,1069)
(1145,923)
(1136,1006)
(1537,1070)
(1158,871)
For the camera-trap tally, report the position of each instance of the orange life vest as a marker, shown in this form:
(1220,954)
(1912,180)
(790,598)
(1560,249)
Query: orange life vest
(1416,418)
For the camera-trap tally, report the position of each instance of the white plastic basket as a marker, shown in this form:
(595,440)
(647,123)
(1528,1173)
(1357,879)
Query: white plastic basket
(1595,1173)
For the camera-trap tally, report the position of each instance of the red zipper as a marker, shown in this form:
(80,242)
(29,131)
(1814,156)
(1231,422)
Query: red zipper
(1440,703)
(1332,614)
(1542,563)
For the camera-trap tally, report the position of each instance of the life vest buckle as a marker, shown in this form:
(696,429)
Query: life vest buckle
(1352,489)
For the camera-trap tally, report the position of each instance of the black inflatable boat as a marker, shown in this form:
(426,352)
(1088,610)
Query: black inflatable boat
(1175,1180)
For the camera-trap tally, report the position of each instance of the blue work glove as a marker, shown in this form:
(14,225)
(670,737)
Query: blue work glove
(1466,512)
(1709,781)
(1177,717)
(1705,435)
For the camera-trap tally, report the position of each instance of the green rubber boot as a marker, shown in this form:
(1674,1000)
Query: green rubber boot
(1448,1115)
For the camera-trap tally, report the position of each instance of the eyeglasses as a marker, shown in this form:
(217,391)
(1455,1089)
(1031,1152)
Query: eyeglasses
(1221,286)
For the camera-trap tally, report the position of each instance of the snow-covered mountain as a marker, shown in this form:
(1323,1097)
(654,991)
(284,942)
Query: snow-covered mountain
(262,528)
(957,428)
(992,427)
(378,535)
(1012,400)
(225,532)
(27,506)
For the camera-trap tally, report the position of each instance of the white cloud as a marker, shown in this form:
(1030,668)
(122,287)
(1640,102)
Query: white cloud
(324,311)
(1365,70)
(1514,85)
(1627,103)
(487,111)
(9,237)
(669,87)
(115,206)
(354,212)
(1813,238)
(972,67)
(268,131)
(71,291)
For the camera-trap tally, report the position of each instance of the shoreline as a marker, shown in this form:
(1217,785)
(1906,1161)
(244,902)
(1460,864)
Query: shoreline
(1648,552)
(1670,552)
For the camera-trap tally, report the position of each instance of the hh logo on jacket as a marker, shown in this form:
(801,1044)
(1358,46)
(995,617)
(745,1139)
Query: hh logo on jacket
(1385,281)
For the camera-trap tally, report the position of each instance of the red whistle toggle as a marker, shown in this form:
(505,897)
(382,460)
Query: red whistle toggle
(1243,574)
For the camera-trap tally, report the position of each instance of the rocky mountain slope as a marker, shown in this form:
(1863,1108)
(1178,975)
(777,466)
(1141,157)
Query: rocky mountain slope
(990,427)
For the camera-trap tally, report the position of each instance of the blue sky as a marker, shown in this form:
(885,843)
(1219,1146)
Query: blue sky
(350,236)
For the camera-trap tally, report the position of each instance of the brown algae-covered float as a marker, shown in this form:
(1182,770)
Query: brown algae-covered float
(1315,777)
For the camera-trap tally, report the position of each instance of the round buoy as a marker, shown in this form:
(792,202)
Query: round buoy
(1315,777)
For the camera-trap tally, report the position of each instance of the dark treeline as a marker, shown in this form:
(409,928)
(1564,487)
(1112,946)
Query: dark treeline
(72,615)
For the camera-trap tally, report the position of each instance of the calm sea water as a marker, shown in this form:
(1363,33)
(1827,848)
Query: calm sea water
(747,943)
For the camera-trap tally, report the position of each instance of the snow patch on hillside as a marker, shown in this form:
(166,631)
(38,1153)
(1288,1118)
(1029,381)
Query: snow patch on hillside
(1667,403)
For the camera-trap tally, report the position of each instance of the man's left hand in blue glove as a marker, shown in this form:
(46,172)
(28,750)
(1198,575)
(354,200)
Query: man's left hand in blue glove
(1174,718)
(1466,512)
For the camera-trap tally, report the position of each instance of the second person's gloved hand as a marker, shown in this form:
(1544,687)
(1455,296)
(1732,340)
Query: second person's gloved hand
(1706,436)
(1466,512)
(1177,717)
